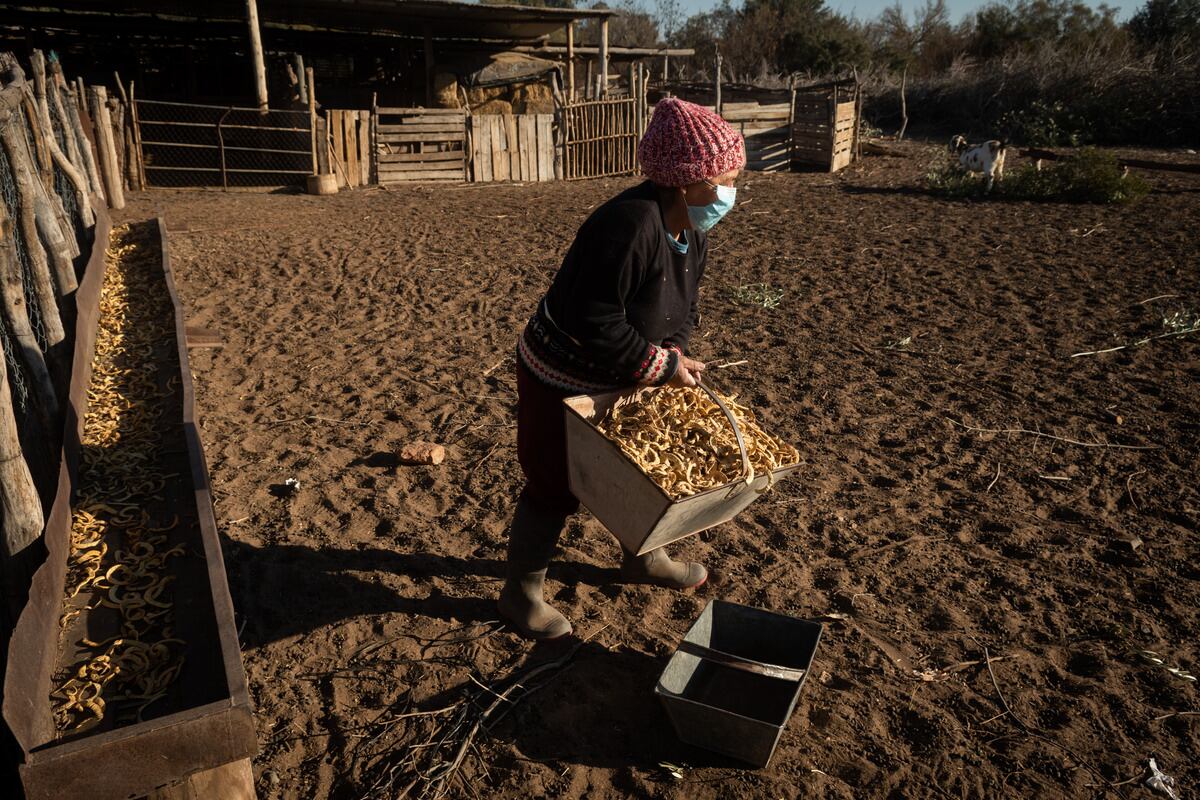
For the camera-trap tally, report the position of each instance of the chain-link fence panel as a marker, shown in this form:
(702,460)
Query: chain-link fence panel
(185,144)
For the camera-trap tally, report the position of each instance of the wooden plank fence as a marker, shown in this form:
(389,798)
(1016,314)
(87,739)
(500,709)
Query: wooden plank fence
(421,144)
(349,135)
(508,147)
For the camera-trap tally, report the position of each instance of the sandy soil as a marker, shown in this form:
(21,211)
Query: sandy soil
(357,323)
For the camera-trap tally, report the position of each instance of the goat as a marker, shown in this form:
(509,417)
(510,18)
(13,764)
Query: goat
(987,157)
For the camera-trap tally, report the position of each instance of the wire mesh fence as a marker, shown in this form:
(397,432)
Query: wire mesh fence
(186,144)
(17,375)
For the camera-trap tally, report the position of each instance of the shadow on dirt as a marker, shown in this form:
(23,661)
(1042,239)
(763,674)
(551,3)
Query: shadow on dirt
(286,590)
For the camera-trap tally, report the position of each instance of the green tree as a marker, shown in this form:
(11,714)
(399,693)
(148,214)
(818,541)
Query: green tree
(1167,24)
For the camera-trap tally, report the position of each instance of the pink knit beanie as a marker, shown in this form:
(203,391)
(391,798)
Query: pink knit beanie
(685,143)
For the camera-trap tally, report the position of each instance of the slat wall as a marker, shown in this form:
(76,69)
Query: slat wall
(507,147)
(843,134)
(349,134)
(765,129)
(823,128)
(421,144)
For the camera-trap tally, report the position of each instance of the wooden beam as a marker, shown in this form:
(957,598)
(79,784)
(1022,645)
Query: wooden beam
(428,31)
(717,85)
(311,97)
(571,61)
(256,54)
(604,55)
(301,78)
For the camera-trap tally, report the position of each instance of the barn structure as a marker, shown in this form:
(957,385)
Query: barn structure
(266,92)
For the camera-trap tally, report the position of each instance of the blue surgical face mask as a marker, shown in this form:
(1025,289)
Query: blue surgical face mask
(704,217)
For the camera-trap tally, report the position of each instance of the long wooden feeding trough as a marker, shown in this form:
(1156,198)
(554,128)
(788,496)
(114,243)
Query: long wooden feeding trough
(202,718)
(628,502)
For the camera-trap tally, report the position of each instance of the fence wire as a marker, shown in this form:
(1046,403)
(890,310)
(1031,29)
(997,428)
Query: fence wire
(185,144)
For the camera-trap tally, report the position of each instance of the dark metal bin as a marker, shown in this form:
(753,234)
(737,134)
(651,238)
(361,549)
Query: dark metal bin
(734,680)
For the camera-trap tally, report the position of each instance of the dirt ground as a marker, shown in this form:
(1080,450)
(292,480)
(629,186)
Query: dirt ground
(357,323)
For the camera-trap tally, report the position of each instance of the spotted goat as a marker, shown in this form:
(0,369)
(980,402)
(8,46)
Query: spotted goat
(986,157)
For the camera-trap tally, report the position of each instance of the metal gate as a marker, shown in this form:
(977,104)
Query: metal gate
(187,144)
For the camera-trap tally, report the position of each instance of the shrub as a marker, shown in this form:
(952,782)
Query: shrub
(1089,176)
(951,180)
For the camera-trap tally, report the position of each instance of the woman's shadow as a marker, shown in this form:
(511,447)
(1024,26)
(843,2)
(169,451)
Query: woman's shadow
(598,710)
(284,590)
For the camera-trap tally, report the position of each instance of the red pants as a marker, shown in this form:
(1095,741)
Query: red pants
(542,444)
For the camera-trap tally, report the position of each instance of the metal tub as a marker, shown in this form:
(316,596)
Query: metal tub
(734,681)
(631,505)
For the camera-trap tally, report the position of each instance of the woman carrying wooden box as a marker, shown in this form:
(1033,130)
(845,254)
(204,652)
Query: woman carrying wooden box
(619,312)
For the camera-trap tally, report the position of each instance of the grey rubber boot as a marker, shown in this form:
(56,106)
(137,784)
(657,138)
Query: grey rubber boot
(531,541)
(657,569)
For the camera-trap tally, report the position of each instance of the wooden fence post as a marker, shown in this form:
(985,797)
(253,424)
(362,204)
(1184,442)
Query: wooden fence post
(256,56)
(571,62)
(603,58)
(717,88)
(16,317)
(136,123)
(37,217)
(311,97)
(102,123)
(791,121)
(77,180)
(23,520)
(75,101)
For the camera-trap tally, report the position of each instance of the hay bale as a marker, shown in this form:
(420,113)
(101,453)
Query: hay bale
(533,98)
(445,91)
(477,95)
(493,107)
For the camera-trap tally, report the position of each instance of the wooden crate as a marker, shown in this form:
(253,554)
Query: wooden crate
(631,505)
(824,128)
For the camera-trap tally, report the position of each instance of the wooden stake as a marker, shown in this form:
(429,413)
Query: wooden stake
(16,317)
(85,144)
(74,152)
(74,176)
(136,123)
(791,120)
(717,88)
(571,61)
(429,66)
(36,216)
(311,94)
(256,55)
(301,78)
(603,57)
(23,520)
(102,123)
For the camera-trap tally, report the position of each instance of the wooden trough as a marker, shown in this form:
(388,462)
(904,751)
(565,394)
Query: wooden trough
(205,723)
(632,506)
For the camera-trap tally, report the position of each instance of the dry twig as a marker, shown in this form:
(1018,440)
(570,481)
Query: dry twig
(1064,439)
(987,659)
